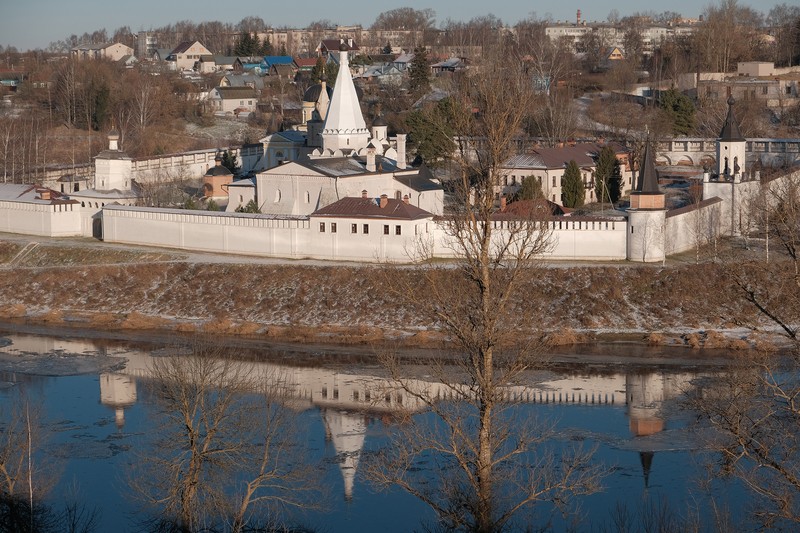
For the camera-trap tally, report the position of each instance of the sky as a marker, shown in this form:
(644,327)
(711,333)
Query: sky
(30,24)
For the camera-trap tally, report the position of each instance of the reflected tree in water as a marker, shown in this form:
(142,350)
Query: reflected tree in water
(489,462)
(224,457)
(756,406)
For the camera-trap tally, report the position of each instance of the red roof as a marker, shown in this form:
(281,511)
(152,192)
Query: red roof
(302,62)
(370,208)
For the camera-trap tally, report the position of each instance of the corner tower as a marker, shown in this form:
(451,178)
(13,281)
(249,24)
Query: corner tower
(647,214)
(112,167)
(344,128)
(731,148)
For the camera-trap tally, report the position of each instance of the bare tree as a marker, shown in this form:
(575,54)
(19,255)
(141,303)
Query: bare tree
(226,457)
(491,462)
(755,405)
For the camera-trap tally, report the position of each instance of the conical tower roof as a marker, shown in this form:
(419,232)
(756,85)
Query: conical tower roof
(647,183)
(730,130)
(344,124)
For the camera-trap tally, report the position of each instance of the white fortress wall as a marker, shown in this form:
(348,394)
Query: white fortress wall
(578,239)
(238,233)
(46,220)
(389,240)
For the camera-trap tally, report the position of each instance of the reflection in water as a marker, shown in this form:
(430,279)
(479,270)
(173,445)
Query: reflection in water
(345,399)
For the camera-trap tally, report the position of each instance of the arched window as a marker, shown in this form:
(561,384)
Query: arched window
(308,197)
(277,195)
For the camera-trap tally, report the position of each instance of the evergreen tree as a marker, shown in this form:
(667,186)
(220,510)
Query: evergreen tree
(679,109)
(388,48)
(246,45)
(324,71)
(432,132)
(607,176)
(250,207)
(572,194)
(282,51)
(230,161)
(266,47)
(212,206)
(530,189)
(419,71)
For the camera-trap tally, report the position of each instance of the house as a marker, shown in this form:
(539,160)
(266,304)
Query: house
(112,51)
(548,165)
(449,65)
(267,62)
(305,64)
(330,48)
(237,101)
(186,54)
(128,61)
(381,74)
(403,61)
(210,63)
(282,71)
(242,80)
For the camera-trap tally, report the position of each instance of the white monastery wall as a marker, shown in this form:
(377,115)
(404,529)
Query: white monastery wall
(45,220)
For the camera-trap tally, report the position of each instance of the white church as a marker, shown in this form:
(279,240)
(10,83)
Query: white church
(338,190)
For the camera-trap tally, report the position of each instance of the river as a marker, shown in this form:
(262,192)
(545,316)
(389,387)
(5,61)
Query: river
(98,422)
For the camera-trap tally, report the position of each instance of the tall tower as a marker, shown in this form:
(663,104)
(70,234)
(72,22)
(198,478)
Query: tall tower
(344,128)
(112,167)
(647,214)
(730,148)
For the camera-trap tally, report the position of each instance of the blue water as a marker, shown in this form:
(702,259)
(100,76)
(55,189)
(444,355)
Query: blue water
(90,458)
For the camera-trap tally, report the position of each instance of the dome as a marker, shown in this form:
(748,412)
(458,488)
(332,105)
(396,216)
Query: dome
(313,92)
(379,121)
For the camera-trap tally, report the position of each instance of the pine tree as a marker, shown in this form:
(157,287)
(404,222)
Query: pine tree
(572,194)
(231,162)
(607,176)
(266,47)
(419,71)
(680,110)
(388,48)
(530,189)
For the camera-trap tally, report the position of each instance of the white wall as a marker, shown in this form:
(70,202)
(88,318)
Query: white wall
(46,220)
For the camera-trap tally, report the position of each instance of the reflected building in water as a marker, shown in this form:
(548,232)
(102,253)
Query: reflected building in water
(346,400)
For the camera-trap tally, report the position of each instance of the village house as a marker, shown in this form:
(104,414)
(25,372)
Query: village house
(111,51)
(235,101)
(186,54)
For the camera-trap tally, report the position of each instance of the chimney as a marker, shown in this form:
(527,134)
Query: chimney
(401,151)
(406,199)
(44,194)
(384,201)
(364,193)
(579,18)
(370,159)
(503,203)
(218,161)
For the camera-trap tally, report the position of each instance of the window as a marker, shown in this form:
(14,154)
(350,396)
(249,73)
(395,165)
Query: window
(322,227)
(277,195)
(353,228)
(788,89)
(333,227)
(764,90)
(554,181)
(308,197)
(386,229)
(366,229)
(398,230)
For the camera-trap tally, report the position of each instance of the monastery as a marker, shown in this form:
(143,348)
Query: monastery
(335,189)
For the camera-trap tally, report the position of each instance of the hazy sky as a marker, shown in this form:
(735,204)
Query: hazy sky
(35,23)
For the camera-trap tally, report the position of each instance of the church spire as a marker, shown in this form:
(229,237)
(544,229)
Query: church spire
(648,179)
(730,130)
(344,128)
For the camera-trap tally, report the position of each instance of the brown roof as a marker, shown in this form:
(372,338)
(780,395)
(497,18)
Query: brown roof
(370,208)
(305,61)
(529,209)
(182,47)
(333,45)
(233,93)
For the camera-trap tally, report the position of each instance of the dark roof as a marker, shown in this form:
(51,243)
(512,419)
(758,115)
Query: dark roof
(218,170)
(235,92)
(112,154)
(647,182)
(421,181)
(730,130)
(313,92)
(182,47)
(370,208)
(338,44)
(379,121)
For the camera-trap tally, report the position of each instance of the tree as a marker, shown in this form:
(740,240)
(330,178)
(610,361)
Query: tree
(680,110)
(231,162)
(432,132)
(246,45)
(405,18)
(419,71)
(225,452)
(530,189)
(489,462)
(249,207)
(754,406)
(728,34)
(324,70)
(607,176)
(572,186)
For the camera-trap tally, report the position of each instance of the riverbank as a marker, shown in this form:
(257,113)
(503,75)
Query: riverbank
(80,285)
